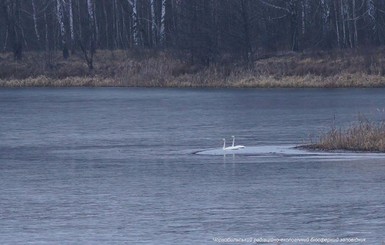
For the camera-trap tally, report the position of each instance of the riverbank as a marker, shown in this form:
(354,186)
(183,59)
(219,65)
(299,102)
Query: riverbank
(161,69)
(362,136)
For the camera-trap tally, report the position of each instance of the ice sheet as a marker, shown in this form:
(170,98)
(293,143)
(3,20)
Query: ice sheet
(290,151)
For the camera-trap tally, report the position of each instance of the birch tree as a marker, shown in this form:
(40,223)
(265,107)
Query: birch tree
(304,6)
(35,20)
(371,9)
(135,22)
(336,17)
(60,18)
(71,23)
(373,20)
(91,15)
(153,23)
(325,15)
(91,24)
(162,32)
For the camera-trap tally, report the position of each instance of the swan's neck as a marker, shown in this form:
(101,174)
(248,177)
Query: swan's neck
(233,141)
(224,144)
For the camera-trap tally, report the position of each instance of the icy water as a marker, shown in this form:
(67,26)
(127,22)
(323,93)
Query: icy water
(115,166)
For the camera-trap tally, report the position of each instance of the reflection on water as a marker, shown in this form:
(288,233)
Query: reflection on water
(115,166)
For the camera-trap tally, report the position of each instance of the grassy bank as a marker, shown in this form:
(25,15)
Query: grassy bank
(161,69)
(365,135)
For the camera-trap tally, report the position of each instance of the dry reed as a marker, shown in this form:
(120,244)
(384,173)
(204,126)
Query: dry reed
(364,135)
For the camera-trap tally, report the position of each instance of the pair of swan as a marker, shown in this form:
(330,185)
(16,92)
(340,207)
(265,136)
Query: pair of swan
(232,147)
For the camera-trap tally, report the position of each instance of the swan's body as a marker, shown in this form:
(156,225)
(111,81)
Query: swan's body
(232,147)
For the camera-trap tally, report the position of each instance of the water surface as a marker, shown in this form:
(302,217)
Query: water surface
(115,166)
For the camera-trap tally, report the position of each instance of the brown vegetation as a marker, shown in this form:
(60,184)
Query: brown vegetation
(364,135)
(161,69)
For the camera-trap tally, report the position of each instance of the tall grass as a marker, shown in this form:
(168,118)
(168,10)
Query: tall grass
(364,135)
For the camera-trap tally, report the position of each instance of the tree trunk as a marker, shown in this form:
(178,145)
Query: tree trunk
(71,22)
(89,54)
(372,9)
(135,22)
(343,21)
(355,24)
(60,18)
(293,12)
(153,23)
(163,24)
(35,20)
(246,32)
(48,48)
(79,19)
(46,32)
(106,31)
(11,12)
(114,24)
(303,16)
(337,24)
(325,24)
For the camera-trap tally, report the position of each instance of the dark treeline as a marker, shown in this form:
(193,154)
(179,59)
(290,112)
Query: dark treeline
(208,30)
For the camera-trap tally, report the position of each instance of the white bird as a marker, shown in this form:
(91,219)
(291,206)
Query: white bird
(232,147)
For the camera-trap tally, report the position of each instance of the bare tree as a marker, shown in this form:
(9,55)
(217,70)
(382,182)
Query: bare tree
(336,17)
(135,22)
(11,13)
(162,32)
(203,30)
(87,42)
(35,20)
(354,23)
(343,15)
(60,18)
(290,9)
(71,23)
(153,23)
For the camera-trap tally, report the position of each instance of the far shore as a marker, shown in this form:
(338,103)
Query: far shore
(336,69)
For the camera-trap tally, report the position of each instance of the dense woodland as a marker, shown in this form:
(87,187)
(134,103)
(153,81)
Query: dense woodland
(207,30)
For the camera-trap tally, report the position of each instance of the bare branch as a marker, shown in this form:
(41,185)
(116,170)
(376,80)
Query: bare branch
(274,6)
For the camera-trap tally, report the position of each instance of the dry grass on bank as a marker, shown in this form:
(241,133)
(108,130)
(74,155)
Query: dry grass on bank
(43,81)
(162,69)
(364,135)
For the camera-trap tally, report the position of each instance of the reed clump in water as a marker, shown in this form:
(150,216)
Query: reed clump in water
(364,135)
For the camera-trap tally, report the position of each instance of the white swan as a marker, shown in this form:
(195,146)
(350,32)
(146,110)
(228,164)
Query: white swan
(232,147)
